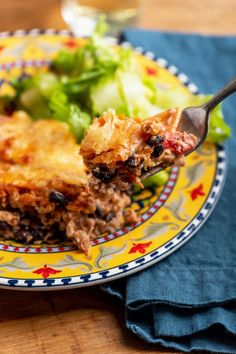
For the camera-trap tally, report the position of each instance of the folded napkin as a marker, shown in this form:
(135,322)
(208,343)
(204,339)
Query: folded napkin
(188,300)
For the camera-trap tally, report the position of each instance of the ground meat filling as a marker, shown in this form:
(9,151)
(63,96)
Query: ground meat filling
(105,212)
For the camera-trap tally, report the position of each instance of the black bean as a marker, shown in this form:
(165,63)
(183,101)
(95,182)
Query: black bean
(58,198)
(131,162)
(110,216)
(155,140)
(103,173)
(98,212)
(38,232)
(22,235)
(24,227)
(30,215)
(4,226)
(157,151)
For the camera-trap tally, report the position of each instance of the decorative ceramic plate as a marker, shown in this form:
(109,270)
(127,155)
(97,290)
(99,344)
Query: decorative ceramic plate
(170,215)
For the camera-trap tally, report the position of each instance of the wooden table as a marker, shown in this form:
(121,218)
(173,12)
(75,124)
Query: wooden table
(87,321)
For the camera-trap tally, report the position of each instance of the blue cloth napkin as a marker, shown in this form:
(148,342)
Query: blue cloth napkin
(188,300)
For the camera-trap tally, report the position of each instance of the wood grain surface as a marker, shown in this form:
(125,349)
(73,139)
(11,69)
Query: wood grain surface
(87,321)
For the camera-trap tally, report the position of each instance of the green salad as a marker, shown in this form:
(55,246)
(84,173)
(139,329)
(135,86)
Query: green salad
(85,82)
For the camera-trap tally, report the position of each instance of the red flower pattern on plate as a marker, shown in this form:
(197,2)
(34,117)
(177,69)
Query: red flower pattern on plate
(46,271)
(197,192)
(70,43)
(140,247)
(151,71)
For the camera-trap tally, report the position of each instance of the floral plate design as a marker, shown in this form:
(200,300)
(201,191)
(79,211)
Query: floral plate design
(170,215)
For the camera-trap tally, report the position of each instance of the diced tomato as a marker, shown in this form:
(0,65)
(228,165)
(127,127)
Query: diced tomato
(178,142)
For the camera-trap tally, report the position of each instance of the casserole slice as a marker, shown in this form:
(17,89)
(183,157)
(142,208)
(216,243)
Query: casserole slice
(45,190)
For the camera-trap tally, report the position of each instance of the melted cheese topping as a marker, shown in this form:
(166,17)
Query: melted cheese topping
(36,153)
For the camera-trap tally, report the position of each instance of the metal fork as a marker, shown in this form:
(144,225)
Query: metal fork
(195,120)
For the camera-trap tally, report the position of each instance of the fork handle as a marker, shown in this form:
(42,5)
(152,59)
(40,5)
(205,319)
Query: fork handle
(220,96)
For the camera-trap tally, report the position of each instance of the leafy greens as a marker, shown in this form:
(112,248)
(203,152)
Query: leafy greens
(87,81)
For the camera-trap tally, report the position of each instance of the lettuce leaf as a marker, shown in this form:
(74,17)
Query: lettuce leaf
(69,113)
